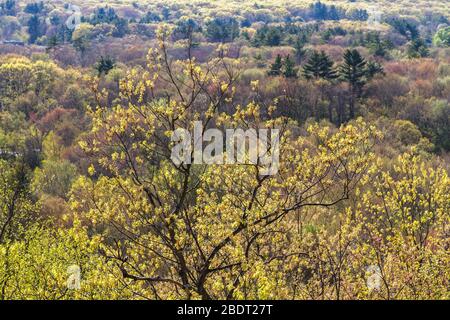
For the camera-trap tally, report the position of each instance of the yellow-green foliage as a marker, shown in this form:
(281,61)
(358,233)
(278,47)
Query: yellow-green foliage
(359,207)
(37,266)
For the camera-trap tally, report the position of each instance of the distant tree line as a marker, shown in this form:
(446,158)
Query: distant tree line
(355,71)
(321,11)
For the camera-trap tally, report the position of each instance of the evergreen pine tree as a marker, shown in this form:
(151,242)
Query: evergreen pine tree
(353,71)
(319,11)
(8,8)
(300,51)
(275,68)
(319,65)
(33,28)
(52,42)
(417,48)
(333,13)
(289,70)
(104,65)
(273,37)
(373,68)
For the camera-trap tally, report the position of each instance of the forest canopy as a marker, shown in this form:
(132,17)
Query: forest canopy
(92,205)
